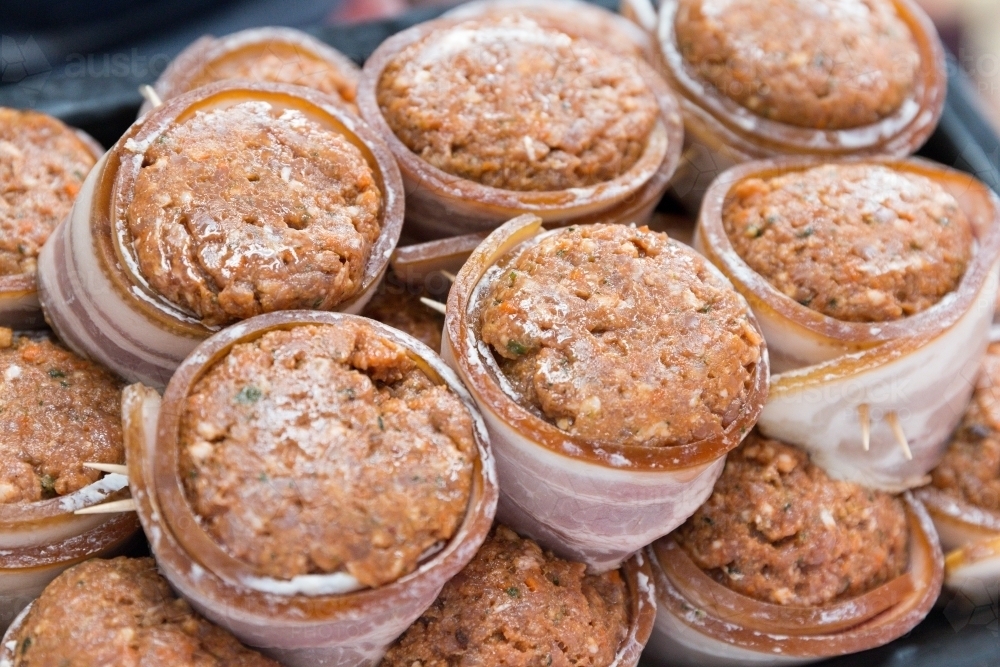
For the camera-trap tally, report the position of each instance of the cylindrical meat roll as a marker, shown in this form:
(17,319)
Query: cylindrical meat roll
(784,565)
(42,167)
(118,612)
(614,368)
(275,55)
(502,114)
(229,201)
(825,78)
(874,282)
(310,481)
(963,497)
(57,413)
(515,604)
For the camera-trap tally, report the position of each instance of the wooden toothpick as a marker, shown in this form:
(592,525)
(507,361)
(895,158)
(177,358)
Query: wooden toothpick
(149,94)
(108,467)
(864,414)
(434,305)
(114,507)
(897,430)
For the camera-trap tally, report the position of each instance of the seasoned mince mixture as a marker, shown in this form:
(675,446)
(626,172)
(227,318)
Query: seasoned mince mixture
(823,64)
(858,242)
(518,606)
(57,411)
(970,469)
(122,612)
(399,306)
(509,104)
(278,62)
(42,167)
(324,449)
(777,529)
(250,209)
(620,335)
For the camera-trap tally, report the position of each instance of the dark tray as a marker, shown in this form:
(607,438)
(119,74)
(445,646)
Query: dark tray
(955,634)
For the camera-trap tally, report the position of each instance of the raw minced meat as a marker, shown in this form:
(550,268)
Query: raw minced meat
(518,606)
(42,167)
(824,64)
(970,469)
(856,242)
(324,449)
(57,412)
(778,529)
(249,209)
(620,335)
(278,62)
(512,105)
(122,612)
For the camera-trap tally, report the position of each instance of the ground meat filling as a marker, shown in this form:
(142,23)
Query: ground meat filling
(823,64)
(325,449)
(509,104)
(57,412)
(277,62)
(620,335)
(399,306)
(859,243)
(122,612)
(42,167)
(970,469)
(250,209)
(518,606)
(777,529)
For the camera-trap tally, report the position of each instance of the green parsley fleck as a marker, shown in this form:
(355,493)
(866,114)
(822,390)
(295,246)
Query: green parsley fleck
(56,373)
(381,424)
(249,394)
(516,348)
(514,592)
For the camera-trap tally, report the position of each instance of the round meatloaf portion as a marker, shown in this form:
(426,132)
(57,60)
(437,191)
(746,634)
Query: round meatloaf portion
(519,606)
(277,62)
(856,242)
(253,208)
(42,167)
(397,304)
(778,529)
(57,412)
(325,449)
(122,612)
(822,64)
(507,103)
(970,469)
(620,335)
